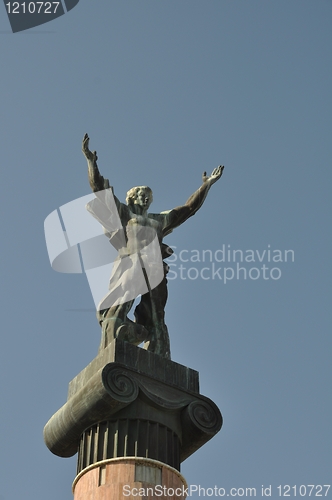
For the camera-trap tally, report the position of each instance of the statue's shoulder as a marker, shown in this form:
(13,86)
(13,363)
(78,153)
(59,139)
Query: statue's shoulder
(162,217)
(165,219)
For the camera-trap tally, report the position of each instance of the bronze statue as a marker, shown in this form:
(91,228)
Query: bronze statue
(131,230)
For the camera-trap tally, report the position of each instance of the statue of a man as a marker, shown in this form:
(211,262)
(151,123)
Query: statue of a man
(137,233)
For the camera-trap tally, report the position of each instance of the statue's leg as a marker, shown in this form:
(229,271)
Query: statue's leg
(111,319)
(115,324)
(151,313)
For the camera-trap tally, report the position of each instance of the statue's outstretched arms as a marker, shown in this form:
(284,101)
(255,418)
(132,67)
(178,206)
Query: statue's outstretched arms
(97,181)
(195,201)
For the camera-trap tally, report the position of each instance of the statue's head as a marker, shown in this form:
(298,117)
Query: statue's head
(140,195)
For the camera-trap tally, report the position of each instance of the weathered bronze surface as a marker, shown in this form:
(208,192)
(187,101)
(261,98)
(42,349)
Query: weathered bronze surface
(138,229)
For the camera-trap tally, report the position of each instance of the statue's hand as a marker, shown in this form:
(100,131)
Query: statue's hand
(86,151)
(216,174)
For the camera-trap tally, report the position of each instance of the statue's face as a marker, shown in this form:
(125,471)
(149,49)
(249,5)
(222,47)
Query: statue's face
(143,198)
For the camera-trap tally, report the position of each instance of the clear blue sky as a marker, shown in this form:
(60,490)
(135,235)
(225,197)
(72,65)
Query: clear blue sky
(167,90)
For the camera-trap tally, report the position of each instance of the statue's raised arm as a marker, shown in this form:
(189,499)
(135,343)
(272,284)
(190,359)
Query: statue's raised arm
(97,181)
(195,201)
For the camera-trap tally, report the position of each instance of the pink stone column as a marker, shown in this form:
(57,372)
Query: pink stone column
(132,478)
